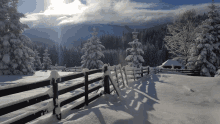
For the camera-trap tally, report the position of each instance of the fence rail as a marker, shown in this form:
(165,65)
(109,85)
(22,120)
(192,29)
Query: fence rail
(53,93)
(133,74)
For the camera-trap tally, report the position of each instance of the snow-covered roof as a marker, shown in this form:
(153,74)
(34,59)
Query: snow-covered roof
(170,62)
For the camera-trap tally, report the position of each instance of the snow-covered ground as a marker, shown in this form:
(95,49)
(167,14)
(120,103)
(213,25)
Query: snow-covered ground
(155,99)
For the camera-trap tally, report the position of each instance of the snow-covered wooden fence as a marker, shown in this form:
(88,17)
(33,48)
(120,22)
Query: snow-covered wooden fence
(116,72)
(58,68)
(184,71)
(135,73)
(54,93)
(74,69)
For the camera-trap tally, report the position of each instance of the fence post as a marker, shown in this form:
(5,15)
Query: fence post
(106,81)
(116,75)
(124,68)
(121,74)
(141,71)
(56,109)
(134,73)
(86,89)
(148,70)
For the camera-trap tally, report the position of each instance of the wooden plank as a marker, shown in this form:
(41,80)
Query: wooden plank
(30,117)
(121,74)
(145,71)
(22,104)
(129,73)
(95,79)
(17,89)
(106,81)
(55,99)
(68,100)
(86,89)
(95,97)
(94,88)
(116,75)
(71,77)
(71,88)
(94,71)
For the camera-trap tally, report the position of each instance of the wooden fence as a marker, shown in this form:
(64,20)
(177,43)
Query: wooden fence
(116,72)
(184,71)
(74,69)
(58,68)
(135,73)
(53,93)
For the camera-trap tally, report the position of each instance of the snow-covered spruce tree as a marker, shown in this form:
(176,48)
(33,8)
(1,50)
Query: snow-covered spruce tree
(37,62)
(135,59)
(46,60)
(206,47)
(15,56)
(92,52)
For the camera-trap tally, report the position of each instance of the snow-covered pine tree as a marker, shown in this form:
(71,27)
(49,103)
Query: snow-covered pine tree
(37,62)
(46,60)
(15,56)
(135,59)
(92,52)
(206,47)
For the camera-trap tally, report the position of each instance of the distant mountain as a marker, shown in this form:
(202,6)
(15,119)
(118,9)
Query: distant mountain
(42,35)
(72,35)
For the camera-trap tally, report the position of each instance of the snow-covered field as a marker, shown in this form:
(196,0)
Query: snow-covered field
(155,99)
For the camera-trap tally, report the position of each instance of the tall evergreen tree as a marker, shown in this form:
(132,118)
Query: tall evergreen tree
(92,52)
(15,55)
(135,59)
(37,62)
(46,60)
(206,47)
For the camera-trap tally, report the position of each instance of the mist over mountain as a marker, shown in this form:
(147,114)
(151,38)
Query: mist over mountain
(72,35)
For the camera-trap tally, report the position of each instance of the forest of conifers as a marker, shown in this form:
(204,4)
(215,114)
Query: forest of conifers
(152,39)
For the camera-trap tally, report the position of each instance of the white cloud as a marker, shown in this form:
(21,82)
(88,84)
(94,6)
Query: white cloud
(103,11)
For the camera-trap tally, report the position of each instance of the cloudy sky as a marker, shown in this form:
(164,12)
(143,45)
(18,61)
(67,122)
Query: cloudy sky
(62,12)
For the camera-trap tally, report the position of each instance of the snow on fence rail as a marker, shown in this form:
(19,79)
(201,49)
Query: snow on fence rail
(53,93)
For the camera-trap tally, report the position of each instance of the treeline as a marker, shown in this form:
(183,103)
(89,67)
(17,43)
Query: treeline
(155,52)
(72,57)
